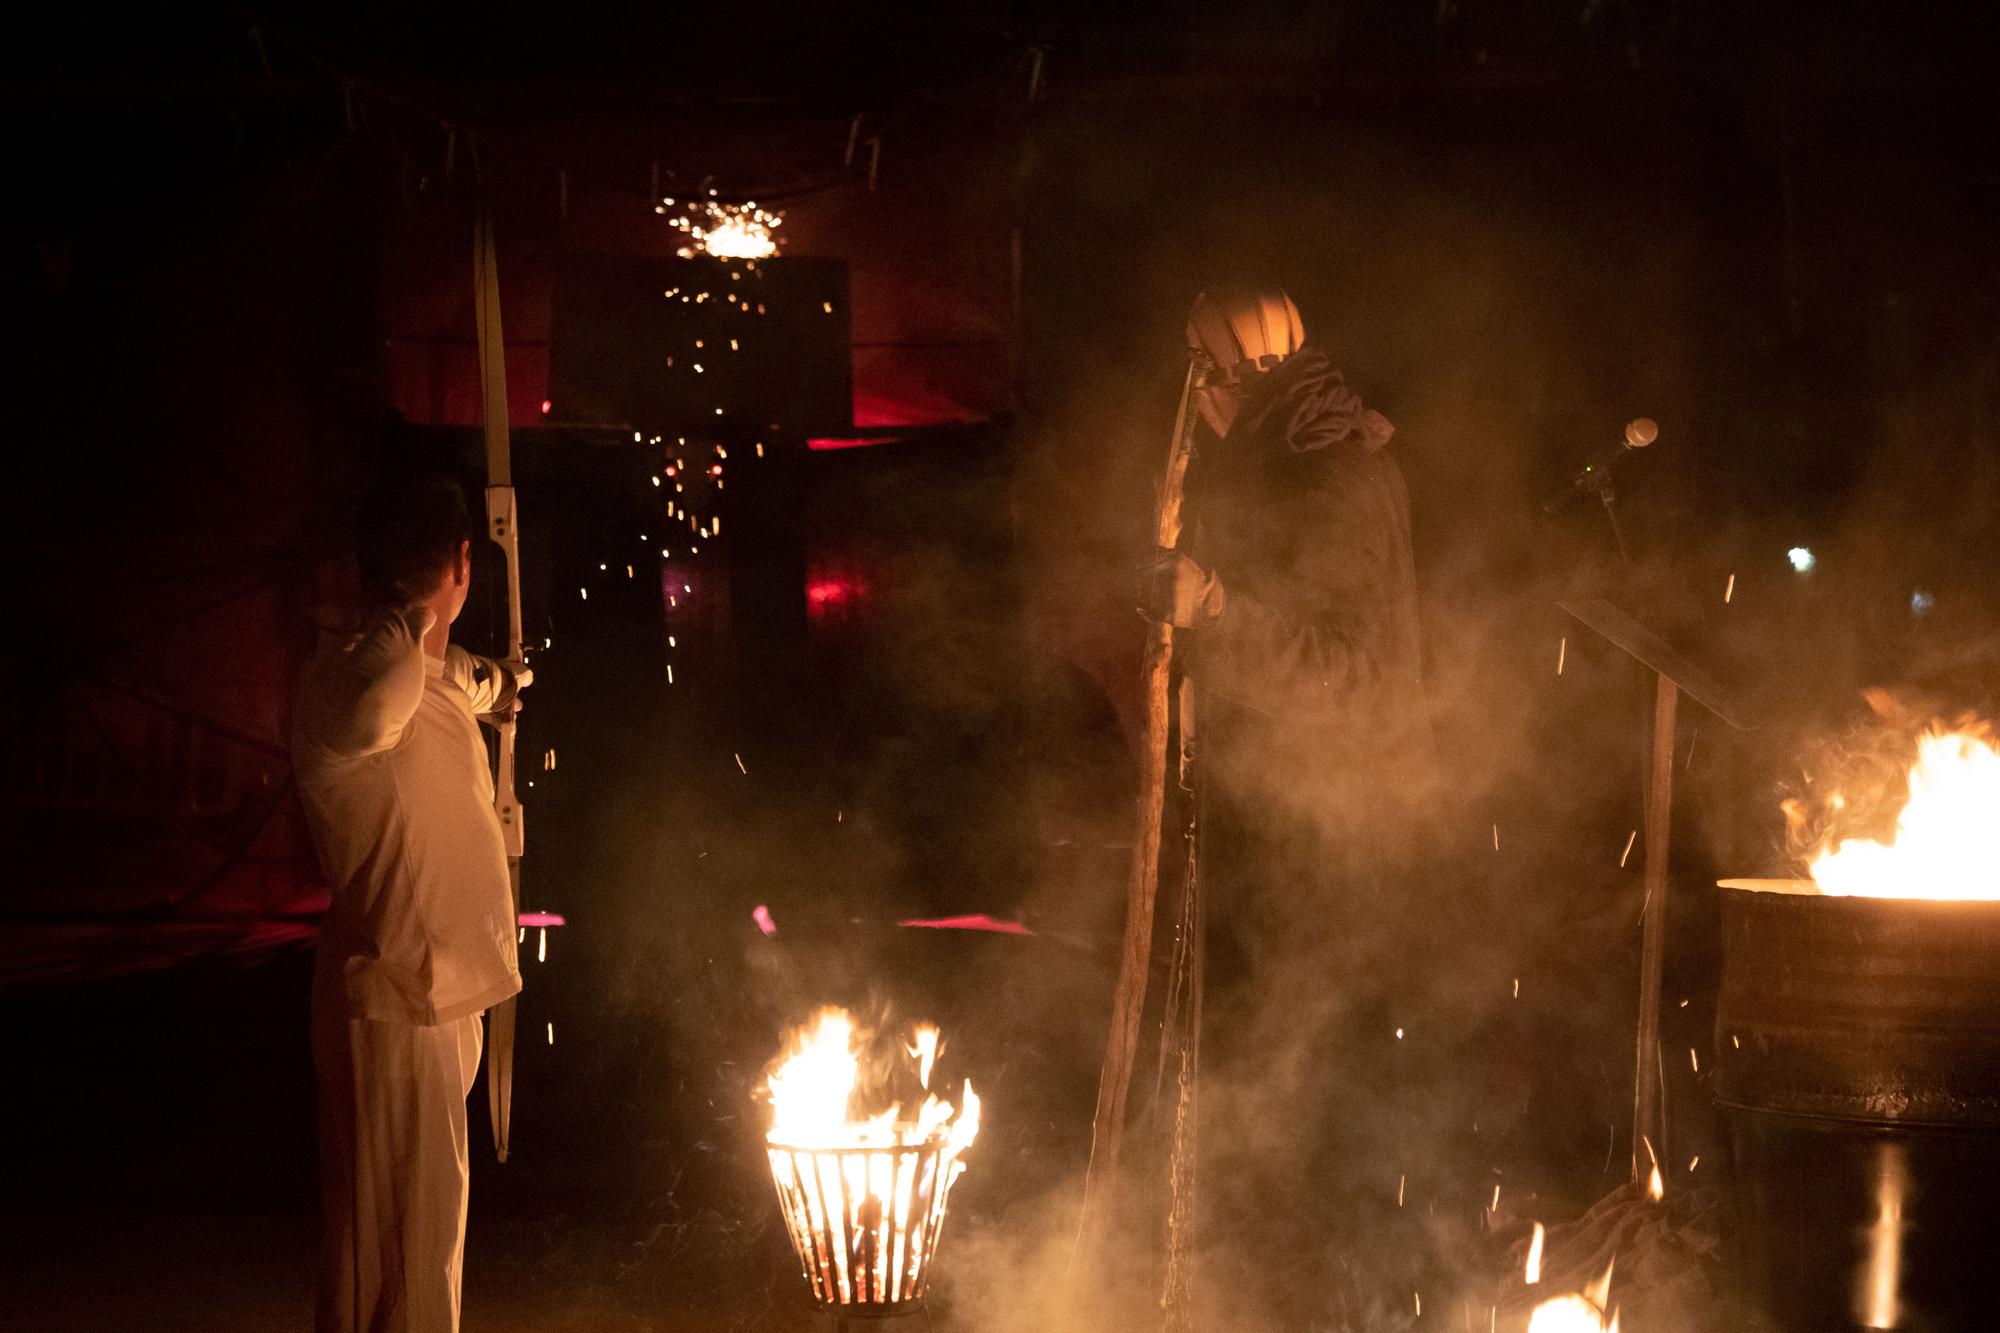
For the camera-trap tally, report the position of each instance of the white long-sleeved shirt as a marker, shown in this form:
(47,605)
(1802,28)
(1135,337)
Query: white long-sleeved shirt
(393,775)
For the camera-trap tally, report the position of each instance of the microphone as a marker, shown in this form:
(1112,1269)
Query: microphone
(1639,432)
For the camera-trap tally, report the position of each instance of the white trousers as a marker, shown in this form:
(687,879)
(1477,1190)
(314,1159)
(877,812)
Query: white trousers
(393,1171)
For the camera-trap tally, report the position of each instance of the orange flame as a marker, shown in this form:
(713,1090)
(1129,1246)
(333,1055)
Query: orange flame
(1942,846)
(814,1088)
(1581,1312)
(1571,1314)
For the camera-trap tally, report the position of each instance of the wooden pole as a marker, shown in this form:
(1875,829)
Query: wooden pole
(1646,1121)
(1128,1001)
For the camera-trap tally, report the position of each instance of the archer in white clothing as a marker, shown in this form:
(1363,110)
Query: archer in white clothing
(420,937)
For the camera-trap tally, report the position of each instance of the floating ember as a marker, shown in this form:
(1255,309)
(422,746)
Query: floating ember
(863,1193)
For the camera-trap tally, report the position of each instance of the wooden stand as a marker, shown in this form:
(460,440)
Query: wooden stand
(1674,674)
(1142,884)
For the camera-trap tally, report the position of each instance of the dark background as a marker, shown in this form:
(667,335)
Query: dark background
(1514,225)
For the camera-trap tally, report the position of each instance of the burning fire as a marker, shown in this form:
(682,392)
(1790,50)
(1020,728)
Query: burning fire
(1571,1314)
(1582,1312)
(1942,844)
(863,1194)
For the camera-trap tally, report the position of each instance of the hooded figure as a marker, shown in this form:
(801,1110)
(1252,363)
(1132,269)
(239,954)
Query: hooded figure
(1295,592)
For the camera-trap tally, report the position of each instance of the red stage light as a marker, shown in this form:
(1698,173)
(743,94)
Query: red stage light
(822,593)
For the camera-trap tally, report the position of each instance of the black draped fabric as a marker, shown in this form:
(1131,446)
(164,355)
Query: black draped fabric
(1312,748)
(1311,675)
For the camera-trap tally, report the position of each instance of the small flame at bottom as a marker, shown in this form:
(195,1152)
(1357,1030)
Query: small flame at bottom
(1570,1314)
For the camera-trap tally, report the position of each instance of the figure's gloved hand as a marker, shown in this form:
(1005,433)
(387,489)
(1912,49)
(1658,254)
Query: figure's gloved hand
(1180,592)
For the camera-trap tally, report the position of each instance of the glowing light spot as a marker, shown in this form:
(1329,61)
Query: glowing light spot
(1802,559)
(1921,603)
(726,231)
(547,407)
(762,916)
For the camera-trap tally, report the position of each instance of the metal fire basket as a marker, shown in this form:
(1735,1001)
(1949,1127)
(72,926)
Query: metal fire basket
(865,1221)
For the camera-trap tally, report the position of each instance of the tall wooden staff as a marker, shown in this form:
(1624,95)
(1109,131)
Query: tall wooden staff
(1129,1000)
(501,527)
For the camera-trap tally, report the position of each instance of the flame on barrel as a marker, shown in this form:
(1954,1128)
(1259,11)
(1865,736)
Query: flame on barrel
(1942,845)
(863,1195)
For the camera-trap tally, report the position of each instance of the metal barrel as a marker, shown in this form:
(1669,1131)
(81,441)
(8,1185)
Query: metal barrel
(1858,1078)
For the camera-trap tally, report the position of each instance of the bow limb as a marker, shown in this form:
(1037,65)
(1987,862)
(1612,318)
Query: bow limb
(503,528)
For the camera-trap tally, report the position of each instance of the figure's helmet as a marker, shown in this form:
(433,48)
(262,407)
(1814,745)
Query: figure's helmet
(1244,330)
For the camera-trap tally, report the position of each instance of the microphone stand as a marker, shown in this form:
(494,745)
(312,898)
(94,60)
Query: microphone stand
(1607,495)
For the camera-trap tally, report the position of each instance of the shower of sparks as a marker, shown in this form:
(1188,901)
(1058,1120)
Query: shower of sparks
(725,231)
(1400,1182)
(739,765)
(1729,590)
(1694,1161)
(1694,1060)
(1496,837)
(1517,988)
(542,945)
(1562,651)
(1630,838)
(1494,1207)
(552,1032)
(1533,1273)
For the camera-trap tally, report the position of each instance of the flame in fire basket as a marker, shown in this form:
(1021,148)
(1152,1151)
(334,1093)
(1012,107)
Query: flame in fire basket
(863,1194)
(1942,846)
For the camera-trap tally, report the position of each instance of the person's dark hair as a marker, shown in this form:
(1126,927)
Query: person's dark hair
(409,535)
